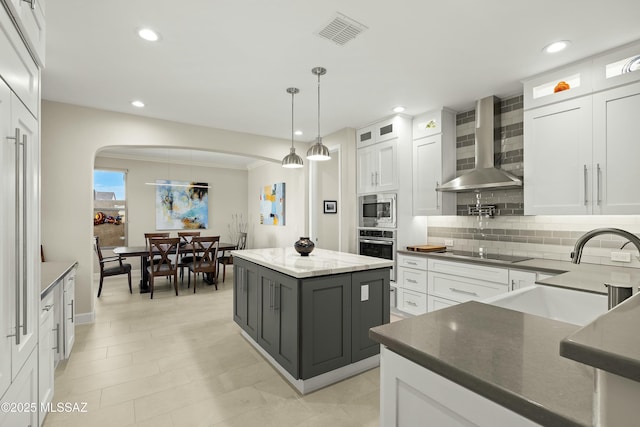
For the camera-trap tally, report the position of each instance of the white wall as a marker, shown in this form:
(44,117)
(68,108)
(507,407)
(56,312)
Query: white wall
(296,202)
(72,135)
(327,187)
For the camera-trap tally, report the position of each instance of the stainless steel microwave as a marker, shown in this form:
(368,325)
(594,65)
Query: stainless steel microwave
(377,210)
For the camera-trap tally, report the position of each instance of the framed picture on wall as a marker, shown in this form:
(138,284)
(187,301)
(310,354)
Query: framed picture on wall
(330,206)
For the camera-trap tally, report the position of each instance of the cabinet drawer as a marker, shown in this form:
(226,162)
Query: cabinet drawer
(436,303)
(474,271)
(46,307)
(412,262)
(412,302)
(410,278)
(462,289)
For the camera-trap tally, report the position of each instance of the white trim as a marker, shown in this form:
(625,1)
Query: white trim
(83,318)
(322,380)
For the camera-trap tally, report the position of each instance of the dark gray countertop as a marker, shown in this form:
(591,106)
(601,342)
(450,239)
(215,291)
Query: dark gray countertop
(52,272)
(506,356)
(610,342)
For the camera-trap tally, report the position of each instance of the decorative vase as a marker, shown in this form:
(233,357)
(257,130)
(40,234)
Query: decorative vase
(304,246)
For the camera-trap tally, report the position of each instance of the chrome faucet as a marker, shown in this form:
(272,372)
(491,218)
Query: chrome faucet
(615,293)
(577,250)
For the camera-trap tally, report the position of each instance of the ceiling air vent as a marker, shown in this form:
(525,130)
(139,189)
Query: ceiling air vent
(341,29)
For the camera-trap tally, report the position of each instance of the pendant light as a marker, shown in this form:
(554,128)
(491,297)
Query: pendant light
(292,160)
(318,151)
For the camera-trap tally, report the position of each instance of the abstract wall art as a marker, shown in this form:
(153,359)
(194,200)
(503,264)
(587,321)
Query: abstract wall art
(272,204)
(181,205)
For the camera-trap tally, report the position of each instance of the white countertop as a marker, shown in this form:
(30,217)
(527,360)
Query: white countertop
(51,272)
(320,262)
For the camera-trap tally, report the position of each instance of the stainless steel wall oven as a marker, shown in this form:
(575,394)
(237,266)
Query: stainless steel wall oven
(379,243)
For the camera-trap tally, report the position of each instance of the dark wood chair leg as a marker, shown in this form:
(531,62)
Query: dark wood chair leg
(151,285)
(100,288)
(129,277)
(224,271)
(175,282)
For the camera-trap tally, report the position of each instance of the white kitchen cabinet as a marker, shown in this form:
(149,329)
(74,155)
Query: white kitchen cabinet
(384,130)
(411,281)
(580,145)
(558,158)
(436,303)
(455,282)
(46,352)
(519,279)
(616,129)
(69,312)
(411,394)
(30,17)
(20,223)
(378,167)
(24,392)
(434,162)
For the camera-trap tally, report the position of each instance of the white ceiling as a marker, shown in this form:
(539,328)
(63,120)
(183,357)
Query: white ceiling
(227,64)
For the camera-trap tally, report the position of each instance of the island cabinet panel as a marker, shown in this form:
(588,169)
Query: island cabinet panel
(278,318)
(245,296)
(326,324)
(370,306)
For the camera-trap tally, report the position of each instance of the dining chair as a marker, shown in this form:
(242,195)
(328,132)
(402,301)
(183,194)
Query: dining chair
(228,259)
(204,262)
(185,239)
(163,253)
(115,270)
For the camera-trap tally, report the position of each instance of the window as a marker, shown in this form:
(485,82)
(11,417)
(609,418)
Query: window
(110,207)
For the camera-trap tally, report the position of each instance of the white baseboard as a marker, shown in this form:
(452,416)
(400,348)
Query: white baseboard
(322,380)
(82,318)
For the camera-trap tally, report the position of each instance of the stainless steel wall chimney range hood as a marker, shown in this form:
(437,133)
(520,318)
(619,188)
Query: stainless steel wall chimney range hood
(485,175)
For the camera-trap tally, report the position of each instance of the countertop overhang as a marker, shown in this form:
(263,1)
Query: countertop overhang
(51,272)
(320,262)
(506,356)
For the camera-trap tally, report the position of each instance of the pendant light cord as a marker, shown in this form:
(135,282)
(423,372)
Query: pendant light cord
(318,106)
(292,95)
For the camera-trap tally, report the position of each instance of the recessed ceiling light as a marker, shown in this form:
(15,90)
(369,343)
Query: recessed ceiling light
(148,34)
(398,109)
(138,104)
(298,132)
(556,46)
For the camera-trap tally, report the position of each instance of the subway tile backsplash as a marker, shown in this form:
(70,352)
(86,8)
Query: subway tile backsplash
(546,237)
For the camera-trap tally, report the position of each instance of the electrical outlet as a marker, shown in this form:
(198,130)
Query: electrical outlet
(621,256)
(448,242)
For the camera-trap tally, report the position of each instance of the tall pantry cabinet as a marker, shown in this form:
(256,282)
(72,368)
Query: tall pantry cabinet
(19,215)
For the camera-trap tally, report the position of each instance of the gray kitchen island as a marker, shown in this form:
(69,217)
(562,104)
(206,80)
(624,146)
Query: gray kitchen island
(310,316)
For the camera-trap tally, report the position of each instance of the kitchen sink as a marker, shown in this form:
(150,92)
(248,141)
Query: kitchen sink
(566,305)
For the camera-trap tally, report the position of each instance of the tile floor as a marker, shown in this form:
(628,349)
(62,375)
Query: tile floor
(180,361)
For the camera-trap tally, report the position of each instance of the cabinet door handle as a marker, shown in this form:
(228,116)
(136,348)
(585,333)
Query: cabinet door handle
(18,279)
(71,304)
(25,288)
(47,307)
(412,303)
(586,200)
(437,196)
(411,263)
(270,296)
(513,284)
(372,183)
(461,291)
(32,3)
(598,174)
(377,181)
(412,281)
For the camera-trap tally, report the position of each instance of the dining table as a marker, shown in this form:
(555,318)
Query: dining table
(143,253)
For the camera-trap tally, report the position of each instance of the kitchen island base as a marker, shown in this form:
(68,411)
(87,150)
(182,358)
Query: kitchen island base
(310,321)
(322,380)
